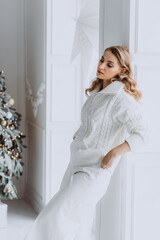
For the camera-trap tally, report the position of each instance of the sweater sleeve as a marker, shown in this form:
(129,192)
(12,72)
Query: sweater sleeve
(138,129)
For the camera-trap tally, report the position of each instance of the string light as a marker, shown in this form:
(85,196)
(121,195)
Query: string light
(11,124)
(9,190)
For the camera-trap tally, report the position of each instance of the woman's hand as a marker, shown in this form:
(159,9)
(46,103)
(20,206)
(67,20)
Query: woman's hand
(108,159)
(113,153)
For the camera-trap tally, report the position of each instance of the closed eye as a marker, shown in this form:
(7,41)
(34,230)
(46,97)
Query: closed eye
(107,64)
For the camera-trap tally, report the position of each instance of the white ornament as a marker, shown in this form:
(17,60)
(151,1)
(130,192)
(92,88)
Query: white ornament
(3,122)
(9,115)
(11,101)
(86,38)
(35,101)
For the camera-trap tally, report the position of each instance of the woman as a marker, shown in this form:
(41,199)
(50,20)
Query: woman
(111,124)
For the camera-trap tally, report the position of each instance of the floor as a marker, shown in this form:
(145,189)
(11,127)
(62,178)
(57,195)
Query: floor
(20,218)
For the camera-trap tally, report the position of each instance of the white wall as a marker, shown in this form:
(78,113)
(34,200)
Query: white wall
(64,90)
(49,32)
(12,62)
(35,73)
(22,56)
(130,208)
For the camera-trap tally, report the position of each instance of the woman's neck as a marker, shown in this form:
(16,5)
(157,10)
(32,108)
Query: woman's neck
(106,83)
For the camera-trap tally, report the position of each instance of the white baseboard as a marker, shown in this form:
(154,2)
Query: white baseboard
(34,200)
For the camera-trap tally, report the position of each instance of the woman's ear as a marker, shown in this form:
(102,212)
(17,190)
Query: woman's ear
(123,70)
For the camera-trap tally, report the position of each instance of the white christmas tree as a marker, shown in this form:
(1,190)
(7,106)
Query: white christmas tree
(11,143)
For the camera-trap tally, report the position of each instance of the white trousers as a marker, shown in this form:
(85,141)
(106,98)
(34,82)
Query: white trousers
(70,214)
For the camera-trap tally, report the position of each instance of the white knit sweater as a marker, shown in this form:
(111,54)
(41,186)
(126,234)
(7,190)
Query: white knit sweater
(108,118)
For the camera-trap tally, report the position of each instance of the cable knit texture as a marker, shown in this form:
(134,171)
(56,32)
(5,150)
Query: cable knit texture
(108,118)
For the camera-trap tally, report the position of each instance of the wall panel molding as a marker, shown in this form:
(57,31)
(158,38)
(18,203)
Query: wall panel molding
(35,182)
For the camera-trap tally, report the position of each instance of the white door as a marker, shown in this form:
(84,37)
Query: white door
(63,90)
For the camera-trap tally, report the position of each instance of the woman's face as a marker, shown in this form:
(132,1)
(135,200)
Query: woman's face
(108,66)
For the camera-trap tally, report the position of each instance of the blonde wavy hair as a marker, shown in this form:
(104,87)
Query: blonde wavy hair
(124,58)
